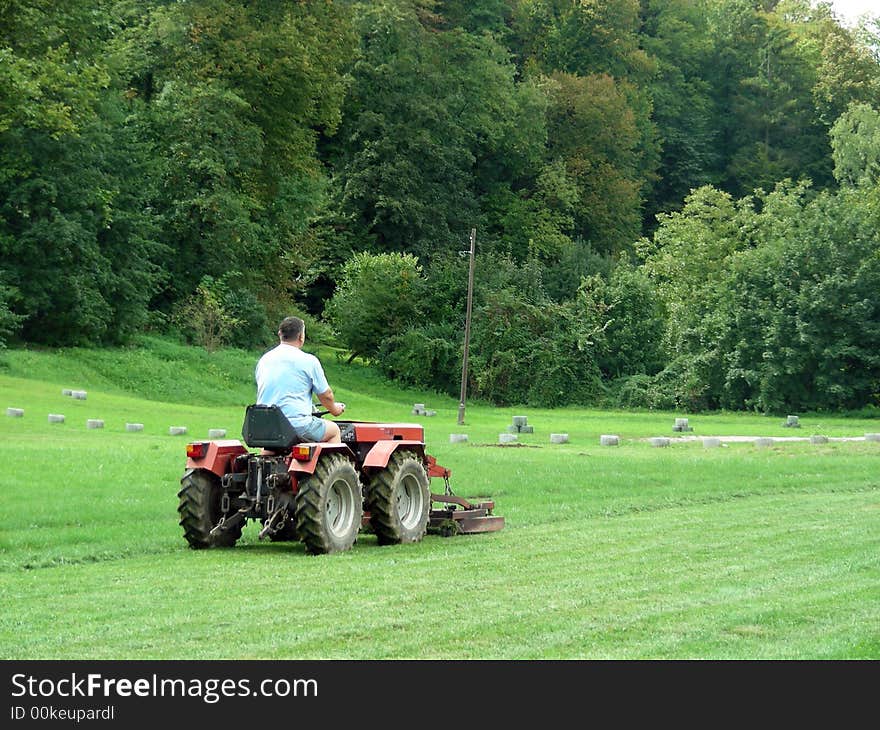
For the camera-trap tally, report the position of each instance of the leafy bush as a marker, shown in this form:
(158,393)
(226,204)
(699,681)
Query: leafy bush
(203,318)
(378,296)
(531,354)
(676,387)
(9,322)
(627,320)
(426,357)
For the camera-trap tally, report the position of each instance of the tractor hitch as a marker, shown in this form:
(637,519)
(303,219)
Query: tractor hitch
(226,524)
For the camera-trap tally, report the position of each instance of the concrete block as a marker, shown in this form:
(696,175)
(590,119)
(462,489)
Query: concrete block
(817,439)
(66,391)
(660,441)
(520,421)
(177,430)
(872,437)
(711,442)
(134,426)
(94,423)
(791,422)
(457,438)
(216,433)
(15,412)
(558,438)
(429,414)
(56,418)
(526,429)
(763,443)
(418,409)
(78,394)
(609,440)
(507,438)
(681,424)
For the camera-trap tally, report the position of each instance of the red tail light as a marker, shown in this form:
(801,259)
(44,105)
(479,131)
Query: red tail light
(302,453)
(196,450)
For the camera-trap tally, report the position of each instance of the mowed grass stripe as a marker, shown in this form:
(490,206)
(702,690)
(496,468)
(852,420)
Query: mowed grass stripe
(87,498)
(768,576)
(608,552)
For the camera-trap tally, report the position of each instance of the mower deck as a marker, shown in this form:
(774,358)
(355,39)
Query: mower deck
(461,517)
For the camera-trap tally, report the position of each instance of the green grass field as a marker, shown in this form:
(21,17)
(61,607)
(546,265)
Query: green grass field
(608,552)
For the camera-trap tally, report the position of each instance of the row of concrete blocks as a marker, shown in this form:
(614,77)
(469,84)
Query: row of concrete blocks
(508,438)
(658,441)
(764,442)
(75,394)
(420,410)
(681,424)
(713,442)
(214,433)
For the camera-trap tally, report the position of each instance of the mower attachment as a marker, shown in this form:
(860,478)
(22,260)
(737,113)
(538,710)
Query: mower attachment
(460,517)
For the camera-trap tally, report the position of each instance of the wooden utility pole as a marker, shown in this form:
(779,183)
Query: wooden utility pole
(467,329)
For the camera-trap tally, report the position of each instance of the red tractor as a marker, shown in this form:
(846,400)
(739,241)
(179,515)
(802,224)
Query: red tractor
(319,493)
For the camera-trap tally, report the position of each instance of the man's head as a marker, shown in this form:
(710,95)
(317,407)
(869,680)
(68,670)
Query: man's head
(292,330)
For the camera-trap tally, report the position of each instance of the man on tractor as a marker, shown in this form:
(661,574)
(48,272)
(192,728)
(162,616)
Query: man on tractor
(317,482)
(288,377)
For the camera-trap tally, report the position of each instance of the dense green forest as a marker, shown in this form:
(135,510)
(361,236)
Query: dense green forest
(677,202)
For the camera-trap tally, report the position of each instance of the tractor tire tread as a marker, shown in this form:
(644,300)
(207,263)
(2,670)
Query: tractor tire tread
(310,527)
(383,514)
(197,517)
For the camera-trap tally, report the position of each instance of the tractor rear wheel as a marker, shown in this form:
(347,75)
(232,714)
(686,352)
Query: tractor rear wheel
(400,500)
(329,506)
(199,507)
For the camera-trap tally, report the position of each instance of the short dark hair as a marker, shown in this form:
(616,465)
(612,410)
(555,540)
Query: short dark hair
(291,329)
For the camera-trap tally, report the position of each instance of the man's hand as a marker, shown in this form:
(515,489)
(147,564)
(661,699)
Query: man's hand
(338,409)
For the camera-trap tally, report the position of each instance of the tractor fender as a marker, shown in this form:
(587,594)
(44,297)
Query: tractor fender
(316,449)
(379,456)
(218,456)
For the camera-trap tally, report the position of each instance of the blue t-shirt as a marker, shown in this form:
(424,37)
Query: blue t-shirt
(288,377)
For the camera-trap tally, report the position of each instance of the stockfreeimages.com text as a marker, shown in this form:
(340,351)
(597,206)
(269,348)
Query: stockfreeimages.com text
(209,690)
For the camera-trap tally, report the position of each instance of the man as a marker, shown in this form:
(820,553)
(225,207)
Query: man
(288,377)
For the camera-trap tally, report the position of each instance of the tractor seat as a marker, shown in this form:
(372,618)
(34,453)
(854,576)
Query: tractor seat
(267,427)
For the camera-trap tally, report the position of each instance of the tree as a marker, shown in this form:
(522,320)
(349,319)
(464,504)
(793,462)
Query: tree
(855,140)
(599,99)
(687,259)
(434,122)
(847,69)
(593,129)
(378,296)
(9,321)
(764,73)
(676,35)
(76,238)
(805,322)
(233,98)
(629,321)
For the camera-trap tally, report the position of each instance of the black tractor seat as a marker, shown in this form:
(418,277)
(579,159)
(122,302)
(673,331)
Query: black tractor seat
(267,427)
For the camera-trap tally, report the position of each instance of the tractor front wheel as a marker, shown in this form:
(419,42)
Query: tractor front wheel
(329,506)
(199,507)
(400,500)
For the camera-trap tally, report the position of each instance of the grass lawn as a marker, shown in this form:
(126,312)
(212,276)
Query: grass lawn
(608,552)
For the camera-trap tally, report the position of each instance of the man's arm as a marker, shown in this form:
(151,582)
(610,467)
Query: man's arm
(330,404)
